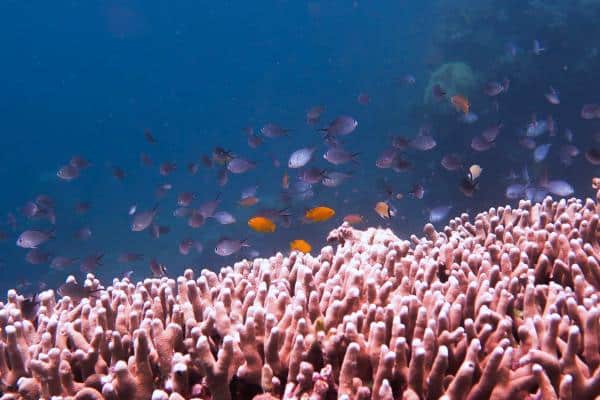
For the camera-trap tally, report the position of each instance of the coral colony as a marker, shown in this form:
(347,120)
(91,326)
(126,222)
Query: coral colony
(504,307)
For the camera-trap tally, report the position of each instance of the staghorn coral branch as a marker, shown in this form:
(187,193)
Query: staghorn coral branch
(503,306)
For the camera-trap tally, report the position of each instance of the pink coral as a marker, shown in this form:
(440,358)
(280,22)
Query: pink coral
(504,307)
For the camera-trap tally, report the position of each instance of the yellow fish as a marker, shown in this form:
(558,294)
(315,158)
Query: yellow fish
(261,224)
(319,214)
(300,245)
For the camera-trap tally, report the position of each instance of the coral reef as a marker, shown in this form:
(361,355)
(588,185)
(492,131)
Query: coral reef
(454,78)
(504,307)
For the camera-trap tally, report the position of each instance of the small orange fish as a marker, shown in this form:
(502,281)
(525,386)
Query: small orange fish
(300,245)
(353,219)
(383,210)
(261,224)
(285,180)
(461,103)
(248,201)
(319,214)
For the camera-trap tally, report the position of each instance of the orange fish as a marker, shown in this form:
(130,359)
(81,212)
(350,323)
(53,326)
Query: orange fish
(261,224)
(319,214)
(353,219)
(285,180)
(248,201)
(461,103)
(300,245)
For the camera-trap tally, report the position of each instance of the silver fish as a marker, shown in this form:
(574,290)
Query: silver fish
(61,262)
(338,156)
(272,130)
(224,217)
(439,213)
(541,152)
(341,126)
(143,220)
(301,157)
(240,165)
(423,142)
(226,247)
(31,239)
(335,179)
(559,188)
(68,172)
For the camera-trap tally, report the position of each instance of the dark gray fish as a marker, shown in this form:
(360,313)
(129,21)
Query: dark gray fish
(193,168)
(125,258)
(254,141)
(81,207)
(339,156)
(386,159)
(142,220)
(401,165)
(61,262)
(221,156)
(301,157)
(223,177)
(30,209)
(590,111)
(423,142)
(567,152)
(226,246)
(208,209)
(68,172)
(118,173)
(363,99)
(417,191)
(400,142)
(76,291)
(341,126)
(29,307)
(527,143)
(166,168)
(83,233)
(593,156)
(313,115)
(452,162)
(156,231)
(515,191)
(79,162)
(91,262)
(145,160)
(491,133)
(478,143)
(312,175)
(186,245)
(31,239)
(158,270)
(335,179)
(240,165)
(196,219)
(272,130)
(184,199)
(37,256)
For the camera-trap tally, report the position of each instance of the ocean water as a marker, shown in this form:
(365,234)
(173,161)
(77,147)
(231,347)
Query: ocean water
(89,78)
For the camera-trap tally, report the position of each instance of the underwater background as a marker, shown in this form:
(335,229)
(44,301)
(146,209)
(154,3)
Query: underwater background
(110,81)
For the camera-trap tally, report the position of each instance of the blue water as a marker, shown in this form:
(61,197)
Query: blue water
(88,78)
